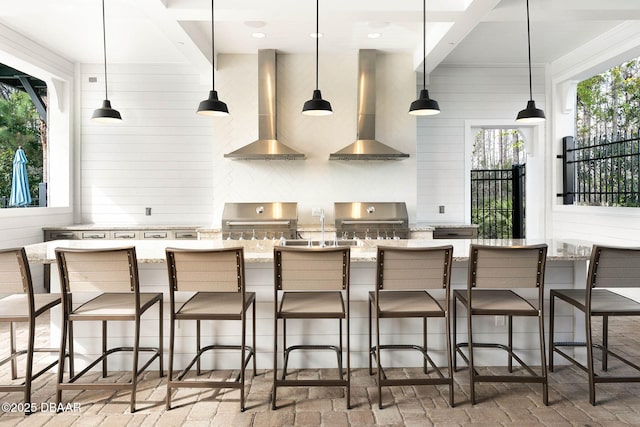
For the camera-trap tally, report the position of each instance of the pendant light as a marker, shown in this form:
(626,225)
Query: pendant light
(212,106)
(531,114)
(317,106)
(105,114)
(424,106)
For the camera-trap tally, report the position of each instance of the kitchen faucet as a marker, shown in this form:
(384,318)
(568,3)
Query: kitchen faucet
(322,242)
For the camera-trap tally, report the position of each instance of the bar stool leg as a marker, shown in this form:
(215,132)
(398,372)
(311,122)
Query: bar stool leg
(454,322)
(605,343)
(510,363)
(29,368)
(161,338)
(543,362)
(472,379)
(370,341)
(134,369)
(424,343)
(172,334)
(12,350)
(104,348)
(253,331)
(551,329)
(275,359)
(590,369)
(198,347)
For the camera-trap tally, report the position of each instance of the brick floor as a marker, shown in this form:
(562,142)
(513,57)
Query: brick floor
(498,404)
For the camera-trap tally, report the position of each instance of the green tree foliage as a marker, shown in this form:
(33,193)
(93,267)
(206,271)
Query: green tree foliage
(19,126)
(607,122)
(609,103)
(497,149)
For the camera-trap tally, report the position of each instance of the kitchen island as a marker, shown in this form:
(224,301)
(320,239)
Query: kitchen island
(566,267)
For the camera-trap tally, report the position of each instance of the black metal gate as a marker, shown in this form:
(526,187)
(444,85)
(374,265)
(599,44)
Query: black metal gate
(497,202)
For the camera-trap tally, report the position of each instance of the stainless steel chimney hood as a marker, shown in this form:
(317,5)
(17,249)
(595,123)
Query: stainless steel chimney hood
(267,147)
(366,147)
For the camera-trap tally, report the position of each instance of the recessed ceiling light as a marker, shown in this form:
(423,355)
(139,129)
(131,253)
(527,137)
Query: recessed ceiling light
(374,35)
(255,24)
(315,35)
(258,35)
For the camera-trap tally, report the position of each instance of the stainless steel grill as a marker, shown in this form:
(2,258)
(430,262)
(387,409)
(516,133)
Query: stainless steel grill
(260,220)
(371,220)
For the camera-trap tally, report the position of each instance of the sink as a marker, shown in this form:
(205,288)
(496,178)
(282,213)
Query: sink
(328,243)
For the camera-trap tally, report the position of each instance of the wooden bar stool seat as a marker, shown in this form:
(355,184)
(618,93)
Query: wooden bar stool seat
(215,278)
(312,284)
(22,306)
(102,285)
(495,275)
(612,271)
(407,281)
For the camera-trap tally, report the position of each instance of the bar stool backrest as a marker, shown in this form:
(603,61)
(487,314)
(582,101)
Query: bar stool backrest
(98,270)
(15,276)
(215,270)
(303,269)
(507,266)
(614,267)
(414,268)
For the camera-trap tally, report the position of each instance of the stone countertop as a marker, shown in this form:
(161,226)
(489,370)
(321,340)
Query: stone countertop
(261,251)
(454,226)
(90,227)
(329,228)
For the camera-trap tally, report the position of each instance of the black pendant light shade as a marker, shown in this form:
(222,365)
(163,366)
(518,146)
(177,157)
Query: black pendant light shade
(424,106)
(212,106)
(105,114)
(317,106)
(531,114)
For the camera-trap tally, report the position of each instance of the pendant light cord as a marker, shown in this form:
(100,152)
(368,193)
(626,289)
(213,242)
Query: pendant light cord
(213,60)
(104,51)
(317,37)
(529,47)
(424,44)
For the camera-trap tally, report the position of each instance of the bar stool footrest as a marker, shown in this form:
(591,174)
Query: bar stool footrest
(103,356)
(185,371)
(414,347)
(289,349)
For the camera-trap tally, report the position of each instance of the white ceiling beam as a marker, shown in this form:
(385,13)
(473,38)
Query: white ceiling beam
(462,26)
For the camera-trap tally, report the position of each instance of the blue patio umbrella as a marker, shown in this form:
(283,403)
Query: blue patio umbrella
(20,195)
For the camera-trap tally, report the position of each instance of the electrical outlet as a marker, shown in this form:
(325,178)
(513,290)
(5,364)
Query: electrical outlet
(147,211)
(316,211)
(499,320)
(441,209)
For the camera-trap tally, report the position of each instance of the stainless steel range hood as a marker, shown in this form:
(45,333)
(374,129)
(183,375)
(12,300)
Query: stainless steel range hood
(267,147)
(366,147)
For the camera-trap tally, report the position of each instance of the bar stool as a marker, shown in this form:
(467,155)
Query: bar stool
(216,279)
(406,282)
(494,272)
(22,306)
(313,284)
(611,270)
(113,274)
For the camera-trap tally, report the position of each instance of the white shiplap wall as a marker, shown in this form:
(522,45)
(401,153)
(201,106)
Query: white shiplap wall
(464,94)
(166,157)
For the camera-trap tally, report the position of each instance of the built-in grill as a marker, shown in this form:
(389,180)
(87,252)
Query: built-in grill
(270,220)
(371,220)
